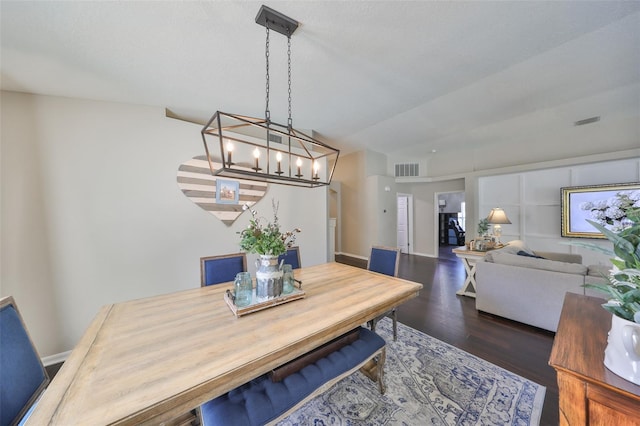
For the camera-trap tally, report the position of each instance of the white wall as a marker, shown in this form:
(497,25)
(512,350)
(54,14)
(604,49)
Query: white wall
(425,229)
(453,202)
(383,211)
(92,215)
(531,200)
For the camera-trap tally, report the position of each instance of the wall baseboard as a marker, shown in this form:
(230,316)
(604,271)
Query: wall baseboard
(366,258)
(55,359)
(352,255)
(424,255)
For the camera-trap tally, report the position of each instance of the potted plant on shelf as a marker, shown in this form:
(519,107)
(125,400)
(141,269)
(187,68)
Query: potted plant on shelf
(622,355)
(265,239)
(483,227)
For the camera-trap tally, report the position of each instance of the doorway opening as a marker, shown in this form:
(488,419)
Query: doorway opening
(334,229)
(405,223)
(450,221)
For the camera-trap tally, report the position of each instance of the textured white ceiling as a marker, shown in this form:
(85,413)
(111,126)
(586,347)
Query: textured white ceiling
(401,78)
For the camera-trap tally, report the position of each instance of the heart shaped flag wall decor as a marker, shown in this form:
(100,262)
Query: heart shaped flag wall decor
(221,197)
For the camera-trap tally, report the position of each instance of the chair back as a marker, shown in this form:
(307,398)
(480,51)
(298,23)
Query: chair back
(291,257)
(221,269)
(22,376)
(384,260)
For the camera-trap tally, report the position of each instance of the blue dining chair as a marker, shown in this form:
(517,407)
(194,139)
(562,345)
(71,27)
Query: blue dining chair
(221,269)
(291,257)
(385,260)
(23,378)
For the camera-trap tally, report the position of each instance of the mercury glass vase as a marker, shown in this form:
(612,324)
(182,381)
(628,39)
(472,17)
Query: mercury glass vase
(268,278)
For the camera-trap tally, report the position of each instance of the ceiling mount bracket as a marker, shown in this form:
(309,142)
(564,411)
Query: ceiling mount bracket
(277,21)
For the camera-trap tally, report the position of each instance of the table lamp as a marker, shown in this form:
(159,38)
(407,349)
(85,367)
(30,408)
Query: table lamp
(497,217)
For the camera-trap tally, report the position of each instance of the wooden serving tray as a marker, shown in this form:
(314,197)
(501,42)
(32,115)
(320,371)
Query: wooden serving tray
(259,306)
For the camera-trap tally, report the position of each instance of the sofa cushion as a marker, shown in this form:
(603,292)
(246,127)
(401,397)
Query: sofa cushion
(261,400)
(501,257)
(513,247)
(285,370)
(599,270)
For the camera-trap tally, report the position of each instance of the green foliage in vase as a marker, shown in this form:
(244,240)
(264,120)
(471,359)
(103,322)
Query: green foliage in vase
(266,238)
(623,287)
(483,227)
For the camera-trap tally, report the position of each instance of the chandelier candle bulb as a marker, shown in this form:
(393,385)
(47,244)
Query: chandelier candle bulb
(256,155)
(316,168)
(229,151)
(299,164)
(279,160)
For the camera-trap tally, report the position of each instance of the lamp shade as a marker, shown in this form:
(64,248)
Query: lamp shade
(497,216)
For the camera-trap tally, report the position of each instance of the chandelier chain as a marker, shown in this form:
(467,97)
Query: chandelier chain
(267,113)
(290,122)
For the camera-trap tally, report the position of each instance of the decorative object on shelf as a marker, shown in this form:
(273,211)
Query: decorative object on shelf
(622,354)
(269,242)
(278,151)
(196,183)
(483,227)
(497,217)
(243,289)
(604,204)
(485,244)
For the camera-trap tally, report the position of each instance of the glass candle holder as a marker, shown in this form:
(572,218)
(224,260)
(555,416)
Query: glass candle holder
(287,279)
(243,289)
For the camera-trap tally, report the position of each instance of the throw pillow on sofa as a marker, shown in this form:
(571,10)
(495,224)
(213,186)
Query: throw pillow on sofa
(524,253)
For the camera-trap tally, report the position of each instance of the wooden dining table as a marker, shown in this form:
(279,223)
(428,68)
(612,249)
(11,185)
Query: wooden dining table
(150,360)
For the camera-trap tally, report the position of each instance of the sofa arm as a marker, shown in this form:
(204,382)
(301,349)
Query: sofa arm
(527,295)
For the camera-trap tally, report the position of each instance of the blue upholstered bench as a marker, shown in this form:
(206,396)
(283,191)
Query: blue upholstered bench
(263,401)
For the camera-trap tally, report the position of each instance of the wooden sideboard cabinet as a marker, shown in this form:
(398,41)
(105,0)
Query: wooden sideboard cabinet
(590,394)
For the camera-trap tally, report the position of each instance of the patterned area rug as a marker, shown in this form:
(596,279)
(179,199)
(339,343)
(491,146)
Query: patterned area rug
(428,383)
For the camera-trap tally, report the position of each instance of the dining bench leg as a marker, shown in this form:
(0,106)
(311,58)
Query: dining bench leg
(374,369)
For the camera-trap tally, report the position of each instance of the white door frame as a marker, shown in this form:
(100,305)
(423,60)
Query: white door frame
(336,188)
(409,219)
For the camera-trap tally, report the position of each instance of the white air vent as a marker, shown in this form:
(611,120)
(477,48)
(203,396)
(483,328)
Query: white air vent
(407,170)
(587,121)
(275,138)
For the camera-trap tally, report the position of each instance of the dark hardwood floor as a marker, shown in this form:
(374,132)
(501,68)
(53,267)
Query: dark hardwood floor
(440,313)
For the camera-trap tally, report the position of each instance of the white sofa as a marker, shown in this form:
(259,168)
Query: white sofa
(528,289)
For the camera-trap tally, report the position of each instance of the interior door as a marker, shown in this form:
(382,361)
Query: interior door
(403,224)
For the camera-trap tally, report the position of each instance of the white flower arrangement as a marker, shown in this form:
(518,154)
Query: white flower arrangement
(611,212)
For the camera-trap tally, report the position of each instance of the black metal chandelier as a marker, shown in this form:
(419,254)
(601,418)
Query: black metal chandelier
(261,150)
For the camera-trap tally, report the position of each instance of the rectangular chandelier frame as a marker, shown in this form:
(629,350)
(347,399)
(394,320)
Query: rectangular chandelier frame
(249,149)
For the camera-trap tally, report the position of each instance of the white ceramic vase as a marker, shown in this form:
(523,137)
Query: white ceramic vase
(622,355)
